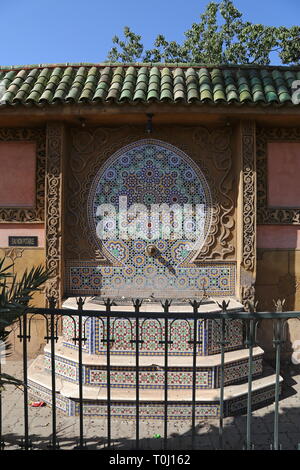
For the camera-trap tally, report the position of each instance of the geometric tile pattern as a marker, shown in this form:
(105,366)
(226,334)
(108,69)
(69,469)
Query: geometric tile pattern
(63,367)
(152,377)
(86,278)
(180,332)
(176,220)
(70,330)
(153,174)
(238,371)
(258,397)
(152,410)
(233,335)
(44,394)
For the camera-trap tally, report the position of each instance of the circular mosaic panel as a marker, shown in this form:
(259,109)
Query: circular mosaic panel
(150,208)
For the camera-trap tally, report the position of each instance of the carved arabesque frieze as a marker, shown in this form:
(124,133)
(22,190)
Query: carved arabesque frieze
(265,214)
(54,175)
(211,150)
(248,265)
(215,146)
(37,213)
(249,197)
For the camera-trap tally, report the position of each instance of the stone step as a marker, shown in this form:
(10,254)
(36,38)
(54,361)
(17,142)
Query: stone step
(151,373)
(235,396)
(122,360)
(155,307)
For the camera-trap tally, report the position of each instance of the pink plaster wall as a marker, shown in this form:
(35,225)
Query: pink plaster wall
(17,172)
(278,236)
(7,230)
(284,174)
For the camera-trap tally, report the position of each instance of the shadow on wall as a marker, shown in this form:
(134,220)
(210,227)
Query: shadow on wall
(278,277)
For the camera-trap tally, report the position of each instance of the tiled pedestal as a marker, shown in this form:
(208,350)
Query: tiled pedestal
(152,372)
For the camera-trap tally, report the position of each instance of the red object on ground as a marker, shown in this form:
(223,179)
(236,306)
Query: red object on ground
(37,404)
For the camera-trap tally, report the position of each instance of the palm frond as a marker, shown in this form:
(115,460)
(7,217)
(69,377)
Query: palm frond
(5,346)
(18,294)
(6,379)
(14,298)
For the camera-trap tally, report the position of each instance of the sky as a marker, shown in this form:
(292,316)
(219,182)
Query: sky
(60,31)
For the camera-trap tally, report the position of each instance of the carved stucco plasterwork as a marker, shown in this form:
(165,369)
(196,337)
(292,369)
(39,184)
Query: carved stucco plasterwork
(248,264)
(265,214)
(54,187)
(215,147)
(211,150)
(34,214)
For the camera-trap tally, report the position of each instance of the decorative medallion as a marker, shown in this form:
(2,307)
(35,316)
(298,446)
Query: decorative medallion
(150,210)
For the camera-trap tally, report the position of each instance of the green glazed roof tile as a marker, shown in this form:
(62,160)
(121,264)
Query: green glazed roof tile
(284,97)
(178,83)
(258,96)
(206,95)
(152,95)
(232,96)
(139,95)
(90,85)
(219,95)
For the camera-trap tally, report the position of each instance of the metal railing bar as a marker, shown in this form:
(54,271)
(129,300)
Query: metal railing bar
(250,344)
(222,317)
(137,303)
(53,338)
(2,443)
(195,306)
(277,341)
(237,314)
(222,343)
(25,443)
(80,339)
(108,304)
(166,304)
(221,384)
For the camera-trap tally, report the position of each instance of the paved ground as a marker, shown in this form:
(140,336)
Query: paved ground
(123,431)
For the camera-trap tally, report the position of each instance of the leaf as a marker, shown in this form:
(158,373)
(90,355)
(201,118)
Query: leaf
(6,379)
(221,36)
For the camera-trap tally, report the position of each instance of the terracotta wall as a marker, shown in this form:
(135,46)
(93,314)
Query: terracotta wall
(20,230)
(278,277)
(18,164)
(22,206)
(278,244)
(283,167)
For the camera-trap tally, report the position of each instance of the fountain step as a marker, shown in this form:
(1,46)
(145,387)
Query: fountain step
(155,307)
(151,401)
(124,360)
(151,331)
(152,368)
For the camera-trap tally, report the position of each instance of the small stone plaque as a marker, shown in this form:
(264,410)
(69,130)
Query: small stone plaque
(22,241)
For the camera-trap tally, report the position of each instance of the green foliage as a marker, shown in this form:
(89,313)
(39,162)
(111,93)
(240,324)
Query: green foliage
(15,296)
(220,37)
(128,50)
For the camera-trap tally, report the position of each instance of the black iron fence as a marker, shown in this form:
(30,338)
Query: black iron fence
(53,315)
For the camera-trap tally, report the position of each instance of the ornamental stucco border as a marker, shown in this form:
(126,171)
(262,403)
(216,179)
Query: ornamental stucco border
(248,248)
(54,204)
(265,214)
(37,213)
